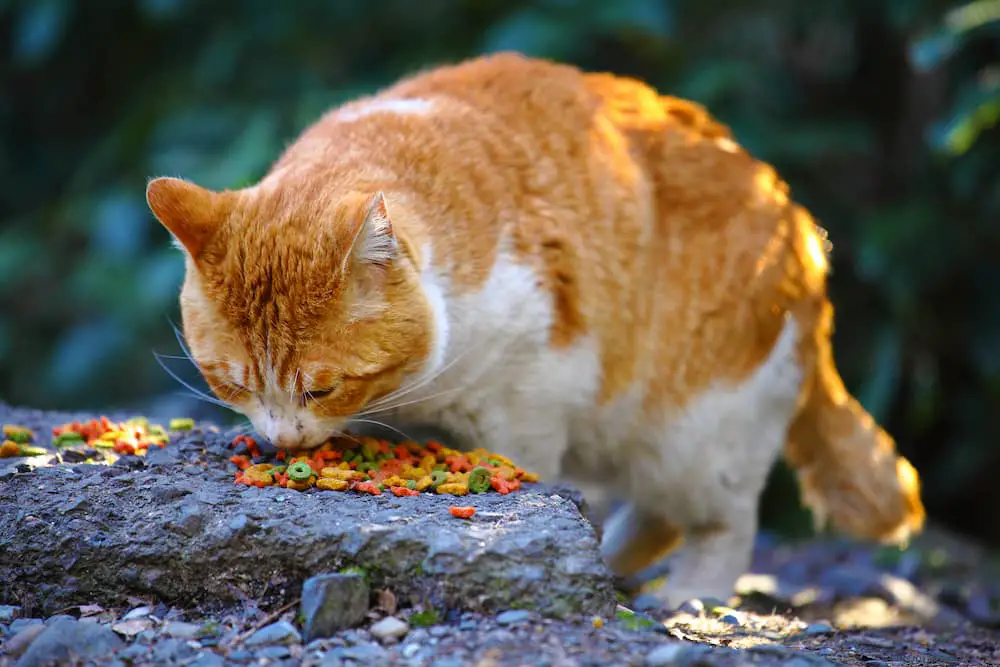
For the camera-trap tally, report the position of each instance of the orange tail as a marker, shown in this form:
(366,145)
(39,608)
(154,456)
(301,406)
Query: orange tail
(848,469)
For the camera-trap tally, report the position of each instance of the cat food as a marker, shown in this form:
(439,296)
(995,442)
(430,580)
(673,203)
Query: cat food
(372,466)
(462,512)
(17,441)
(134,436)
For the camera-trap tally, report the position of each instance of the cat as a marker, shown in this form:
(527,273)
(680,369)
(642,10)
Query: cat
(565,267)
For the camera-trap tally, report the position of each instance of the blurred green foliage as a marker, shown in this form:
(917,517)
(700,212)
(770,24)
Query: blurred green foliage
(882,116)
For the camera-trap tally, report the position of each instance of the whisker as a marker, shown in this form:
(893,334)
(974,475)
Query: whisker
(197,394)
(382,424)
(420,382)
(396,406)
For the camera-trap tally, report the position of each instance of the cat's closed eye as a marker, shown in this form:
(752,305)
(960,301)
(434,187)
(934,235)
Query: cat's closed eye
(320,393)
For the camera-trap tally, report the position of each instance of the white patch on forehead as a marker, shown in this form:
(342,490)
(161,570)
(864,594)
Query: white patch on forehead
(404,107)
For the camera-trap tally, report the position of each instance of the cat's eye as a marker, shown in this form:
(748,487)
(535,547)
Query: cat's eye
(320,393)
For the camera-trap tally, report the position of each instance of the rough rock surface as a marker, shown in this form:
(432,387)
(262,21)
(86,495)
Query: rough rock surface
(174,525)
(161,552)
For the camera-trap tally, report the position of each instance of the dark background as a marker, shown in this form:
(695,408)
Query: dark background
(881,115)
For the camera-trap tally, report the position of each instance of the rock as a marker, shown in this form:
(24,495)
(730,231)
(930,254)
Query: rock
(646,602)
(274,652)
(665,655)
(181,630)
(513,616)
(171,649)
(695,607)
(731,619)
(138,612)
(281,632)
(240,655)
(58,617)
(19,643)
(87,641)
(185,550)
(818,629)
(390,629)
(207,659)
(132,627)
(332,602)
(9,612)
(20,623)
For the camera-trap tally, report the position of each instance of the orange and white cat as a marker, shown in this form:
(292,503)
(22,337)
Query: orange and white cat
(567,268)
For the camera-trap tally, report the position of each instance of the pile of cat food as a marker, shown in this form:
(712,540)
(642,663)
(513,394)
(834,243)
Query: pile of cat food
(369,465)
(134,436)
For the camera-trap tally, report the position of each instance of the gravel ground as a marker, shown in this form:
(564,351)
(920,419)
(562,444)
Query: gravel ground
(817,602)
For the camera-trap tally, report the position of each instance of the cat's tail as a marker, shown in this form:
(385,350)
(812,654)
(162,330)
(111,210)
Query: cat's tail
(848,469)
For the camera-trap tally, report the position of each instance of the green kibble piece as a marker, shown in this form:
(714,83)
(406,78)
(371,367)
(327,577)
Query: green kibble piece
(438,477)
(138,421)
(299,471)
(104,444)
(494,462)
(277,470)
(479,480)
(366,467)
(181,424)
(31,450)
(411,484)
(68,438)
(157,431)
(19,436)
(369,451)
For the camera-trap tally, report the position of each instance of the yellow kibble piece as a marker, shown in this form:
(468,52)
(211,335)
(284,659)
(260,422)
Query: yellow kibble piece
(299,486)
(393,480)
(529,477)
(427,463)
(424,483)
(503,460)
(506,472)
(259,473)
(409,472)
(341,473)
(454,489)
(598,622)
(332,484)
(9,449)
(473,458)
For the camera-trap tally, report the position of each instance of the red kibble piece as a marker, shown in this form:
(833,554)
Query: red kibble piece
(403,491)
(367,487)
(281,455)
(462,512)
(240,461)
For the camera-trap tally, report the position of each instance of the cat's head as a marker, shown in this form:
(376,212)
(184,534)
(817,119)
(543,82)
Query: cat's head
(298,307)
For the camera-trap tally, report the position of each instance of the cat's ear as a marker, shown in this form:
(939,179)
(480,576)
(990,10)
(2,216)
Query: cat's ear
(189,212)
(374,241)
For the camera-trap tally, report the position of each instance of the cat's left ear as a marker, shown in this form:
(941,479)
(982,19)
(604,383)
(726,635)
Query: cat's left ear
(374,241)
(188,211)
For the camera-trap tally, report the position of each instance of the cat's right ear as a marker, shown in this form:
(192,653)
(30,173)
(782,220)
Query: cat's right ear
(188,211)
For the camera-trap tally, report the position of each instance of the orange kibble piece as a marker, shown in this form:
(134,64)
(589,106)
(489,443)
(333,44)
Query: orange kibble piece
(462,512)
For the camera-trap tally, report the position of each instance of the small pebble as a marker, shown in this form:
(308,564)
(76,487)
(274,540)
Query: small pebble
(332,602)
(281,632)
(513,616)
(817,629)
(9,612)
(17,644)
(58,617)
(390,628)
(274,652)
(363,652)
(138,612)
(19,624)
(732,619)
(240,654)
(694,607)
(438,631)
(646,602)
(181,630)
(664,655)
(410,650)
(207,659)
